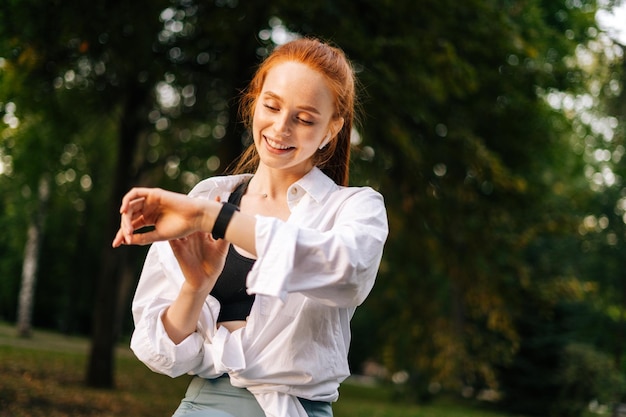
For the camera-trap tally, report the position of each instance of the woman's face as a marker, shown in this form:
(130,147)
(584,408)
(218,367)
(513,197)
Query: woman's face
(293,116)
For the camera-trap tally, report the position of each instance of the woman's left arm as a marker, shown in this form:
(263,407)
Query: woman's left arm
(174,216)
(336,265)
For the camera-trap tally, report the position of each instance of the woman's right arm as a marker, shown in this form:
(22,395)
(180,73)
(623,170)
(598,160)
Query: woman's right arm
(201,259)
(160,300)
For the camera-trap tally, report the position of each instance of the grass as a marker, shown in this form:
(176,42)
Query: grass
(43,376)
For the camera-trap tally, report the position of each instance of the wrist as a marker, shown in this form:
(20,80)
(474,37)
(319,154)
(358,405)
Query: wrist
(195,292)
(208,215)
(222,220)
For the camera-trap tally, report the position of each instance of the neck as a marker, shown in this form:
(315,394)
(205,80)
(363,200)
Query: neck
(271,183)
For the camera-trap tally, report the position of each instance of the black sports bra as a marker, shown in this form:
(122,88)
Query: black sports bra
(230,288)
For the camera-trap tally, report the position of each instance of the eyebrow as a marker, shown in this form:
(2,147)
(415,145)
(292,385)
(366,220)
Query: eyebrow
(305,107)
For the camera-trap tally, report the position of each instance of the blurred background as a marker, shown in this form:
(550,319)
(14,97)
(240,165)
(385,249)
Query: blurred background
(495,129)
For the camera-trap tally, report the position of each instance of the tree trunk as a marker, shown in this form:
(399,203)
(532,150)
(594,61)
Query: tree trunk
(31,260)
(106,316)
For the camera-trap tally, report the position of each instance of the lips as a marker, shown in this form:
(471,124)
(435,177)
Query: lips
(277,145)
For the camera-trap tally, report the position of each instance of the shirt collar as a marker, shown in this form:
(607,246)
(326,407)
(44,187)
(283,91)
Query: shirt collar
(315,183)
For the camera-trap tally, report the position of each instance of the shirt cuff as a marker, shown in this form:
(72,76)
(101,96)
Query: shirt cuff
(185,351)
(227,351)
(275,260)
(152,345)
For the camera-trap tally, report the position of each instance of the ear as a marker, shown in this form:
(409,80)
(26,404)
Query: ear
(335,127)
(325,141)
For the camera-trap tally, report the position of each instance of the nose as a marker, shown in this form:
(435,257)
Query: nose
(282,125)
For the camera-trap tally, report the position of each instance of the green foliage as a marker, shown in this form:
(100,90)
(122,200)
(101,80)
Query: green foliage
(498,213)
(556,372)
(585,375)
(530,383)
(472,175)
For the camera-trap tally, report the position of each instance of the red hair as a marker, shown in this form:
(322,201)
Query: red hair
(331,62)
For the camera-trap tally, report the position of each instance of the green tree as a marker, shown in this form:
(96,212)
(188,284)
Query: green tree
(481,171)
(160,77)
(476,167)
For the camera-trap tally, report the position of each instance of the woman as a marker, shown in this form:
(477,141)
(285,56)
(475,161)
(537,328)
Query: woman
(258,292)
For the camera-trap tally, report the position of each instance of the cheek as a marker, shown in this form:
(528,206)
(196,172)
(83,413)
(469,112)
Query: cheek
(257,122)
(255,115)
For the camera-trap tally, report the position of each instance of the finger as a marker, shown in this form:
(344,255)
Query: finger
(132,196)
(176,245)
(221,245)
(132,217)
(134,209)
(128,197)
(136,204)
(139,222)
(118,239)
(179,242)
(126,226)
(143,238)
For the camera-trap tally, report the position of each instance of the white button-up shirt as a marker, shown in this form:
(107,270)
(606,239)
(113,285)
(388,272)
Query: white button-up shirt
(311,272)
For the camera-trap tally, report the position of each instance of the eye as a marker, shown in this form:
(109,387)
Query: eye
(304,121)
(270,107)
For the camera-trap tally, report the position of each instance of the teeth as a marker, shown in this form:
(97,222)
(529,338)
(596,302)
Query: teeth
(276,145)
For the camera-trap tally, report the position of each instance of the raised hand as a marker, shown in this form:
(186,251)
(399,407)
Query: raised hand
(201,258)
(173,216)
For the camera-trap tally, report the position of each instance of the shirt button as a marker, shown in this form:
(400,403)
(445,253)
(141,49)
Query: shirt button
(294,191)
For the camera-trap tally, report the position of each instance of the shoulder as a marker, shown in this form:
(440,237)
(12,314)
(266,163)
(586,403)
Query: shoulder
(221,186)
(363,198)
(325,190)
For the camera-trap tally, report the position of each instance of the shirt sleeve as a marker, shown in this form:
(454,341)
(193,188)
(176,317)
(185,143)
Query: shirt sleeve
(336,265)
(158,286)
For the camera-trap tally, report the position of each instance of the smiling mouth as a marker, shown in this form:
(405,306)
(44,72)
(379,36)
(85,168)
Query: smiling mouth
(275,145)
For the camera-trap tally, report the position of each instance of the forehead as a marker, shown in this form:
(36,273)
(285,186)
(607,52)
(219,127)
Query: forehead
(298,83)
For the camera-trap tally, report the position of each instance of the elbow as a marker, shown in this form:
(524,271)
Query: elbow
(151,357)
(353,286)
(355,275)
(158,363)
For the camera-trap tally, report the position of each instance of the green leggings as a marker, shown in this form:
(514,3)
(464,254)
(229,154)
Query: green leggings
(218,398)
